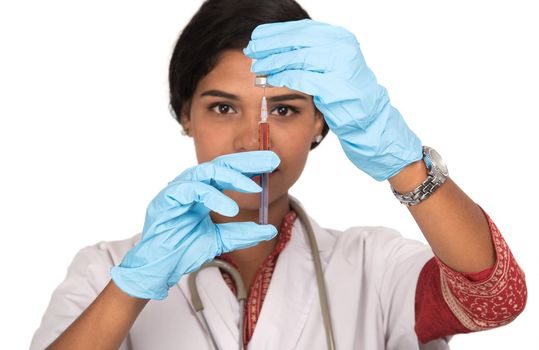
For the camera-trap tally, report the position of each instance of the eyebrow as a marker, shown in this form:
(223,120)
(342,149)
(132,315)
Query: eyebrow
(278,98)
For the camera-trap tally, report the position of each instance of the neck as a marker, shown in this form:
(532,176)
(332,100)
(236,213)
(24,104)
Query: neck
(255,255)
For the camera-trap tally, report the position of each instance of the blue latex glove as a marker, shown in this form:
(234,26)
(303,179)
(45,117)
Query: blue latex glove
(325,61)
(179,235)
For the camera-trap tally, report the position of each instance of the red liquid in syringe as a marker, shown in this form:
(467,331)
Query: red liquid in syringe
(263,139)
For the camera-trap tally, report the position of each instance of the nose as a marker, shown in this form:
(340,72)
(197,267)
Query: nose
(246,137)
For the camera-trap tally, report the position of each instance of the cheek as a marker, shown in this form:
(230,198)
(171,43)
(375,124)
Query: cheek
(292,164)
(292,144)
(208,143)
(292,137)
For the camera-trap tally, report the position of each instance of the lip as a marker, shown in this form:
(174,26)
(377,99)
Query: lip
(256,178)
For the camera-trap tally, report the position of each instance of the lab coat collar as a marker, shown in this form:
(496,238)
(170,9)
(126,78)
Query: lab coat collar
(291,295)
(221,308)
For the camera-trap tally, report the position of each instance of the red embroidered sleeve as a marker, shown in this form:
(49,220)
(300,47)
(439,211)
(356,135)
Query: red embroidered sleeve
(448,302)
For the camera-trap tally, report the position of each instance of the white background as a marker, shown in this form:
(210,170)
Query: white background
(86,140)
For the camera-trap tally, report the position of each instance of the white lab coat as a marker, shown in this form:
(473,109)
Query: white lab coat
(371,274)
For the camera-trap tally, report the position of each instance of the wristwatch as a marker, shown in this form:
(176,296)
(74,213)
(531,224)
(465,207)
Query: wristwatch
(437,174)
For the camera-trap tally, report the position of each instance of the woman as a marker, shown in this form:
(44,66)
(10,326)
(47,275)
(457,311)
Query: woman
(385,292)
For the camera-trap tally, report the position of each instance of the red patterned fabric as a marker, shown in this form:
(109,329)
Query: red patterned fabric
(449,302)
(260,285)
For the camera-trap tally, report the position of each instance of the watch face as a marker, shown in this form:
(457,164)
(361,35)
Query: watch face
(437,160)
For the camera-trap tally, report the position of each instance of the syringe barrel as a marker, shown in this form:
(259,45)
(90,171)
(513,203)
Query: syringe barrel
(263,137)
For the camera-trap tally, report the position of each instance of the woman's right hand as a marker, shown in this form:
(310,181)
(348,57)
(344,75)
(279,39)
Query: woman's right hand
(179,235)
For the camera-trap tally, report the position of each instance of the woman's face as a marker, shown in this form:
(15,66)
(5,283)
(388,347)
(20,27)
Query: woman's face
(224,116)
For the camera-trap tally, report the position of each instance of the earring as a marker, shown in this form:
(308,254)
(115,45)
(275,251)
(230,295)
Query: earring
(184,132)
(318,138)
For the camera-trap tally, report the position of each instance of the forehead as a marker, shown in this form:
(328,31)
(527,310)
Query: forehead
(234,63)
(233,73)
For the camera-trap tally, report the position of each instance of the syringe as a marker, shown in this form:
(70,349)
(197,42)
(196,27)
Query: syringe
(263,143)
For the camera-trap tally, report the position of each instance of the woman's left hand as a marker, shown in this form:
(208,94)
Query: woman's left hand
(325,61)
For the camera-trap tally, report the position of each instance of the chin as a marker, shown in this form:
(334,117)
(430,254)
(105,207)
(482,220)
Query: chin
(246,201)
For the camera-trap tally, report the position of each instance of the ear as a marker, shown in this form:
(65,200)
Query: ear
(319,122)
(185,117)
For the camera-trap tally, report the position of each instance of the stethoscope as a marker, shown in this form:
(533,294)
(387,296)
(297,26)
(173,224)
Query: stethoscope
(241,294)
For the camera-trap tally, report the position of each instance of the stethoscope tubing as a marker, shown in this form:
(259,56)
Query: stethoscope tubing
(241,291)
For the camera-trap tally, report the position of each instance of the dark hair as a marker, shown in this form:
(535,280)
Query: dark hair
(217,26)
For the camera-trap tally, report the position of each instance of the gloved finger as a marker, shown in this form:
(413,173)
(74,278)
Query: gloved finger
(172,218)
(271,38)
(305,59)
(247,163)
(316,59)
(328,87)
(278,28)
(331,94)
(184,194)
(239,235)
(231,236)
(221,177)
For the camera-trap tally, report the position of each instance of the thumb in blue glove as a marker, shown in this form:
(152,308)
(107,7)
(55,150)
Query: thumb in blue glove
(179,235)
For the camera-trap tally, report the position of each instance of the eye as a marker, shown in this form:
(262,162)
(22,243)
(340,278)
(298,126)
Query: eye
(221,108)
(284,111)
